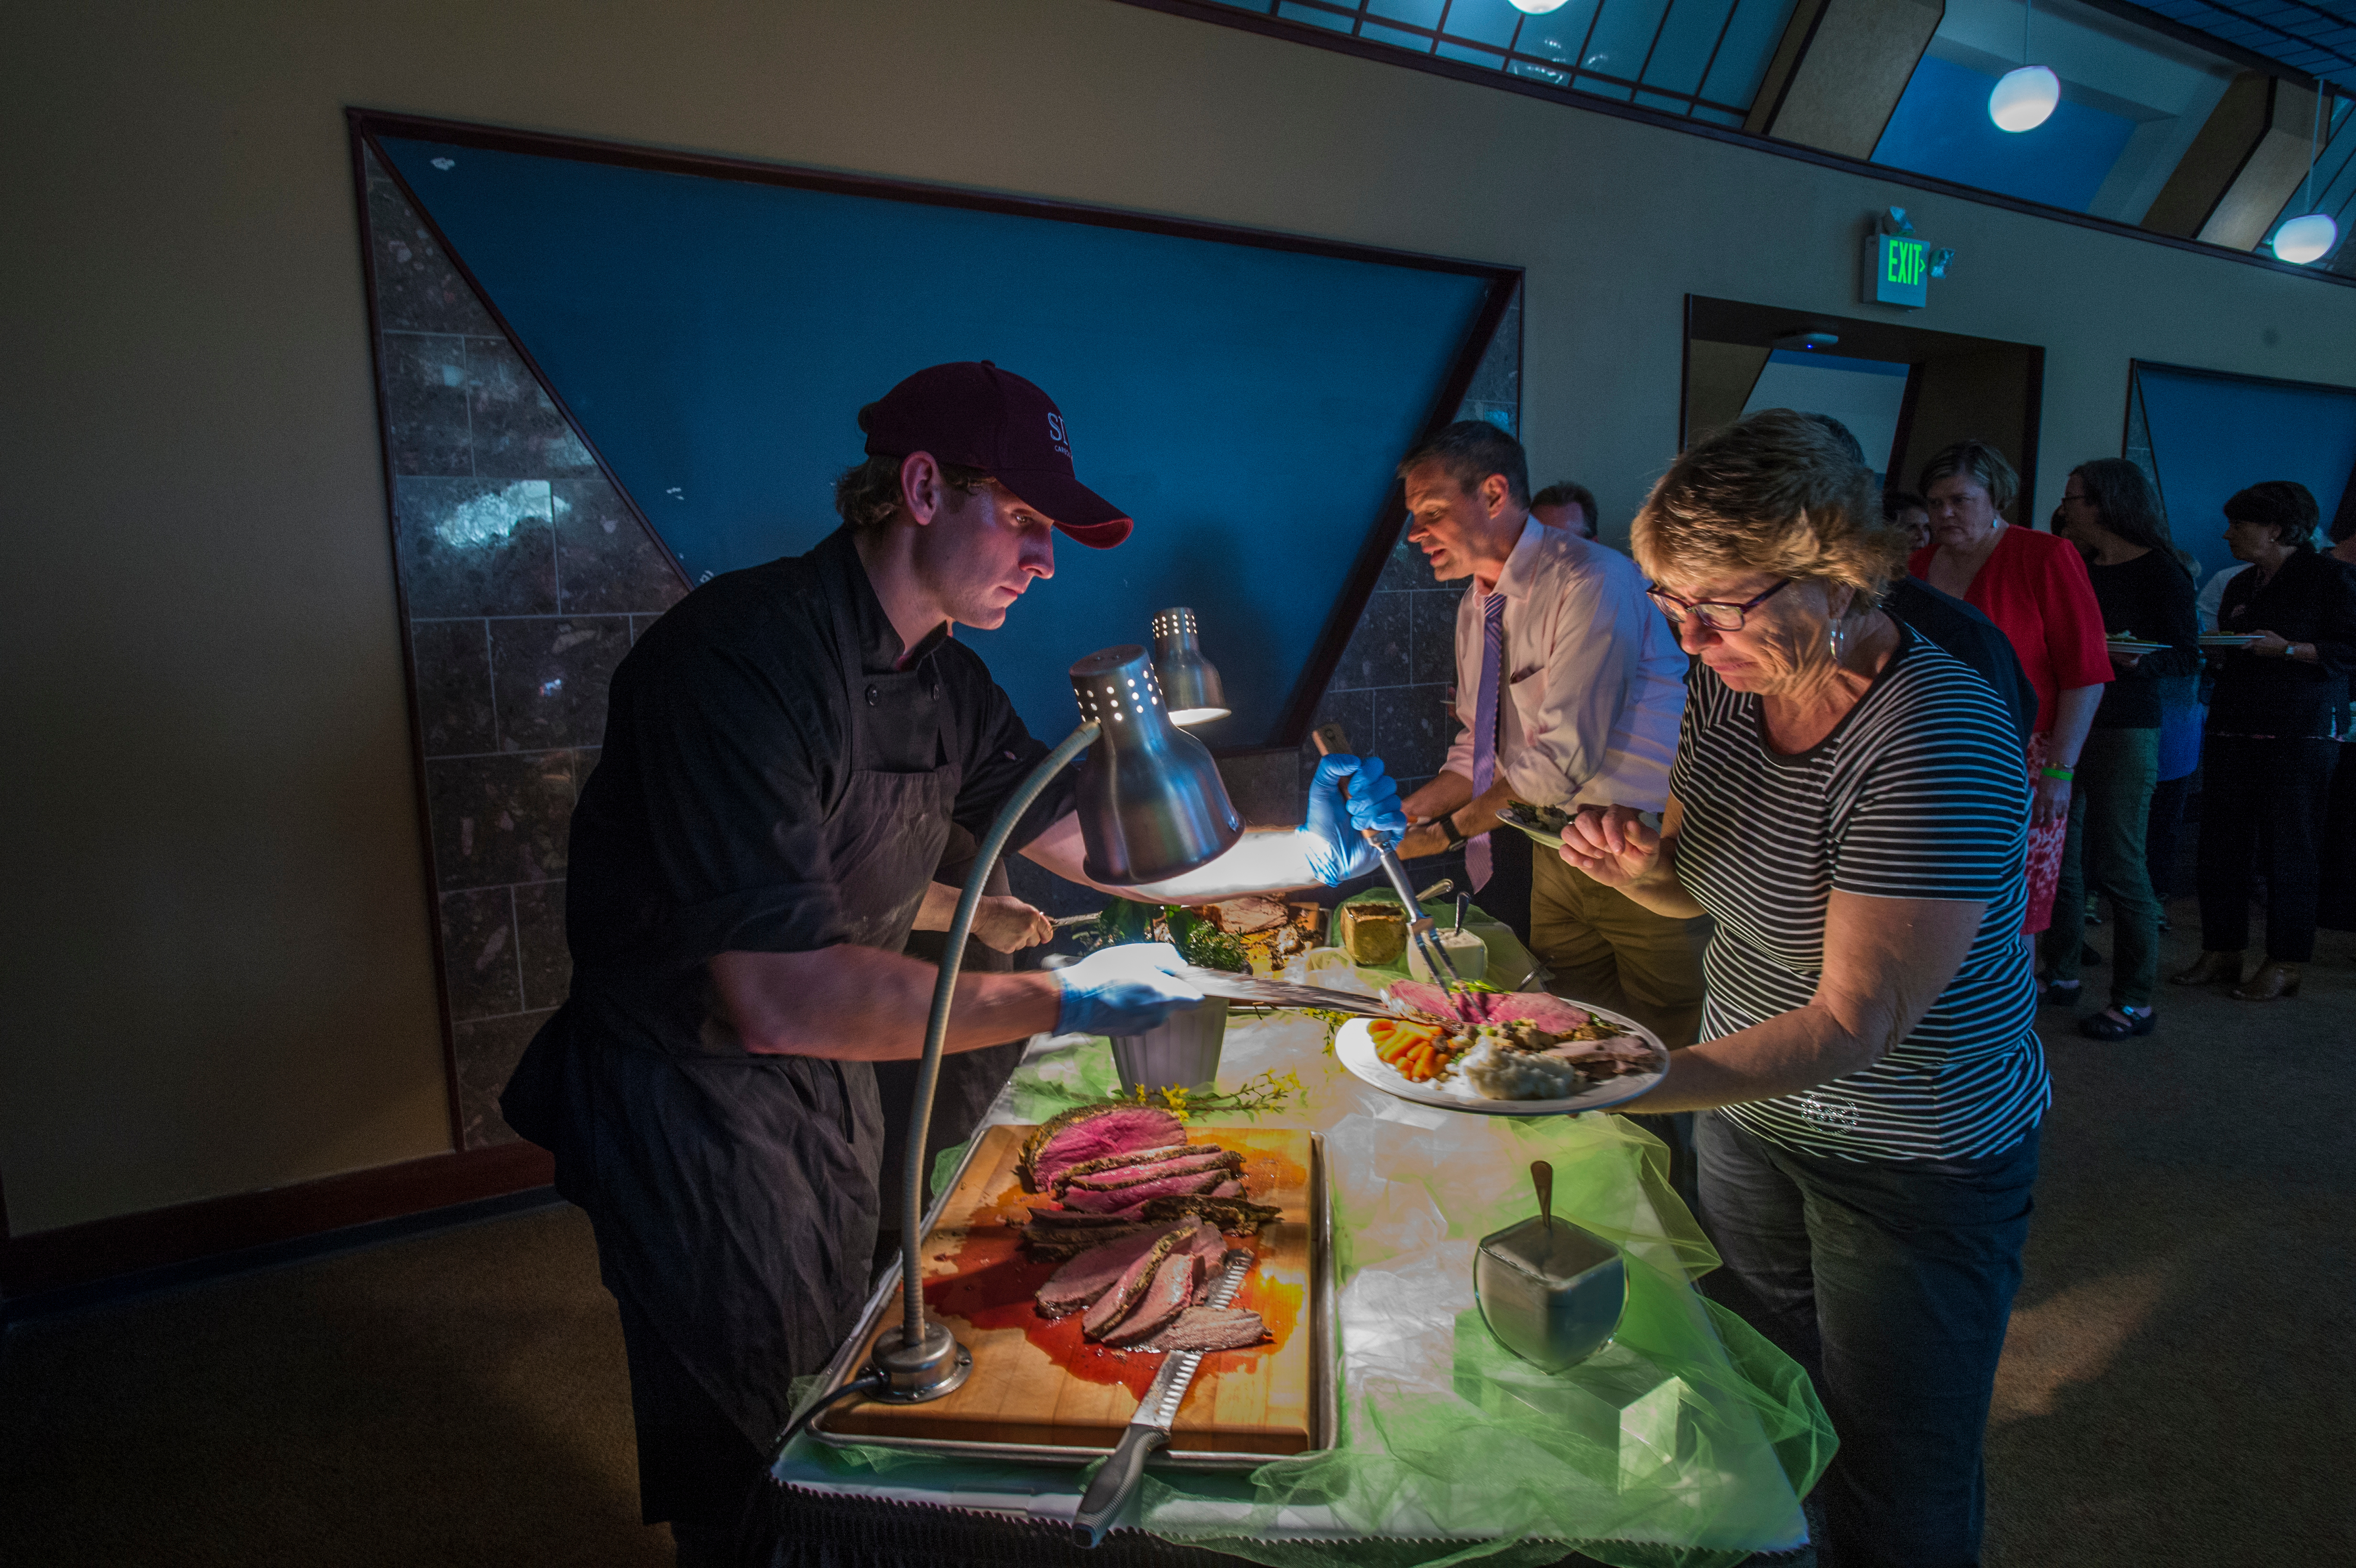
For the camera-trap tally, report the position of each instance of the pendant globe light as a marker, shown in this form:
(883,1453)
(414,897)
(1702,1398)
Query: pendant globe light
(2310,237)
(2024,98)
(1539,8)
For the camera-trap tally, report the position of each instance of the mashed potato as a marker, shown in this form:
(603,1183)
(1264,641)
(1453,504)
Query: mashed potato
(1497,1074)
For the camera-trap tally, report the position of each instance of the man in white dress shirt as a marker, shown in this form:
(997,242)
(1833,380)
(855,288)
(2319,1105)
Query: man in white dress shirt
(1570,686)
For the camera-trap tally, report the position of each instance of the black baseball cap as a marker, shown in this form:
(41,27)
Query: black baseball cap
(974,415)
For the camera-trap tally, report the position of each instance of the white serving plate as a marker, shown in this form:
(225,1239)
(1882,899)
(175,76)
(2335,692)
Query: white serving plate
(2228,639)
(1356,1048)
(2132,645)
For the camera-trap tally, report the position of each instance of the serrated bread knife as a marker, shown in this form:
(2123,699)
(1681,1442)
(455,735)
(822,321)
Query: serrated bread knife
(1150,1428)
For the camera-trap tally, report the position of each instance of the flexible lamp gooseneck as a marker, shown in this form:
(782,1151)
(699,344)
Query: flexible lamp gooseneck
(1151,806)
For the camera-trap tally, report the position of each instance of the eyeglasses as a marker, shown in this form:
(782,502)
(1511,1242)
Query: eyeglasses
(1718,614)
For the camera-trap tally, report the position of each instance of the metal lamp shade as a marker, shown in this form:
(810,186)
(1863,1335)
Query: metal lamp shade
(1151,803)
(1190,683)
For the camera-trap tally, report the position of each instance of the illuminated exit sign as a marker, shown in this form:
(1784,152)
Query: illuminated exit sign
(1897,271)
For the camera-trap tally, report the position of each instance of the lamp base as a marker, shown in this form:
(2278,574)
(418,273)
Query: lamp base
(938,1366)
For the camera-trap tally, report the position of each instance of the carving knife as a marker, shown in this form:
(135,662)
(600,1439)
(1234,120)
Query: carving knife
(1150,1428)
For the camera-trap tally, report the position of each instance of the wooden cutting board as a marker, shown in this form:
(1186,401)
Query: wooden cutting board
(1036,1381)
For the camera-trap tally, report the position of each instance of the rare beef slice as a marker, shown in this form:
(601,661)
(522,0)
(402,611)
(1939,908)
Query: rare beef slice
(1116,1161)
(1093,1132)
(1091,1273)
(1211,1328)
(1172,1292)
(1091,1200)
(1107,1310)
(1192,1161)
(1550,1013)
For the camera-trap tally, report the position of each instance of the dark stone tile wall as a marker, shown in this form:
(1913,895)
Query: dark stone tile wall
(526,578)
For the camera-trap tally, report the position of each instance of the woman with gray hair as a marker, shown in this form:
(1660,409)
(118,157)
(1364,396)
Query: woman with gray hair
(1848,804)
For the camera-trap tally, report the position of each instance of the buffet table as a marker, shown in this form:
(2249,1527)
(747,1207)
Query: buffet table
(1687,1442)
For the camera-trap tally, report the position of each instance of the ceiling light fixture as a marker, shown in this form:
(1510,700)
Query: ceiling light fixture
(2309,238)
(2023,99)
(1539,8)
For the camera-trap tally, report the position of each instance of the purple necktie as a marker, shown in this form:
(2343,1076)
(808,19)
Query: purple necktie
(1484,726)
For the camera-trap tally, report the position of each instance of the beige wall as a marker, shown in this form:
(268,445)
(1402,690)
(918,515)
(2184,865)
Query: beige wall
(216,973)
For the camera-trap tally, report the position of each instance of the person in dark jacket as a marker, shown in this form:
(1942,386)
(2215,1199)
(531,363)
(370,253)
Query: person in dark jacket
(2108,511)
(2273,724)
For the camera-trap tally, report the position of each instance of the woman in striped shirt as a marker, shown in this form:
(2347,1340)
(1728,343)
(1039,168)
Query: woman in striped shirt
(1849,805)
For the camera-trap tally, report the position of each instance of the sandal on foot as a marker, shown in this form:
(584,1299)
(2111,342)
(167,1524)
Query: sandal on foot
(2058,993)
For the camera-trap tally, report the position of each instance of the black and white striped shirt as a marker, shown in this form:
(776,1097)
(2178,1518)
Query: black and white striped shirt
(1917,793)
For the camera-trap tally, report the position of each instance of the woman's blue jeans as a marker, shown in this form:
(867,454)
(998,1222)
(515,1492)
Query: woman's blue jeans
(1891,1281)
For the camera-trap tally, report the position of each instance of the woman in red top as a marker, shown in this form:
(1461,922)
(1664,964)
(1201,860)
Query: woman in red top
(2035,587)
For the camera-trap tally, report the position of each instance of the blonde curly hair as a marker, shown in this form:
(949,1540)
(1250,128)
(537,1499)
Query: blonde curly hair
(1780,492)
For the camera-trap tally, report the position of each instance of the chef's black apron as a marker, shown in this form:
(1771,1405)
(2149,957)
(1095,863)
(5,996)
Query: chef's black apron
(734,1196)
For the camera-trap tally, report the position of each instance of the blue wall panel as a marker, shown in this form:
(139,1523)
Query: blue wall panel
(1941,127)
(715,339)
(2211,435)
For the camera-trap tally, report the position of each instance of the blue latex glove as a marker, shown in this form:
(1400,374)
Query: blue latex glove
(1349,794)
(1123,990)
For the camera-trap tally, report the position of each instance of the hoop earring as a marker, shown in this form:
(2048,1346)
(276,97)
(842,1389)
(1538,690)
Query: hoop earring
(1837,637)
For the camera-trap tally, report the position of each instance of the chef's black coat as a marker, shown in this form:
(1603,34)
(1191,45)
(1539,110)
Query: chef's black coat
(777,776)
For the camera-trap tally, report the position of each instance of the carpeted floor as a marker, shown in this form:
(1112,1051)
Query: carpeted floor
(2177,1389)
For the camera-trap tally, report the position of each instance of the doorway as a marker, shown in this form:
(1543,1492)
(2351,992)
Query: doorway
(1904,391)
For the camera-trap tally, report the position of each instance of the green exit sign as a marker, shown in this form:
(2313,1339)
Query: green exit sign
(1897,271)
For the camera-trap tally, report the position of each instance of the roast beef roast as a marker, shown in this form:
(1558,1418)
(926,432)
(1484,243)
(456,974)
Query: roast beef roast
(1085,1278)
(1107,1310)
(1172,1292)
(1093,1132)
(1550,1013)
(1097,1201)
(1211,1328)
(1229,1190)
(1193,1162)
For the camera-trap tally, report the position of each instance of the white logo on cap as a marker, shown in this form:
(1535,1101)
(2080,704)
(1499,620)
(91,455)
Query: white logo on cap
(1055,434)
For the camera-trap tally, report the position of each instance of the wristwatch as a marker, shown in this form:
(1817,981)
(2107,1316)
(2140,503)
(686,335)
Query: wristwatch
(1448,825)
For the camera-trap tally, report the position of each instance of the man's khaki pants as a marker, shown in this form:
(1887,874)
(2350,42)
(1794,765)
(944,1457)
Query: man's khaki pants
(1606,948)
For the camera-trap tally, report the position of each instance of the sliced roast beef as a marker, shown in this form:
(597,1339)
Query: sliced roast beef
(1172,1292)
(1094,1200)
(1093,1132)
(1187,1164)
(1235,1215)
(1115,1161)
(1054,1244)
(1549,1012)
(1107,1310)
(1091,1273)
(1211,1328)
(1229,1190)
(1210,1250)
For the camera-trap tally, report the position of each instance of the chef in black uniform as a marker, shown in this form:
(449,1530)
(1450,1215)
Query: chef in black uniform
(785,753)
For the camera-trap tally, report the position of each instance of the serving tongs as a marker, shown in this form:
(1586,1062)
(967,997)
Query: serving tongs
(1421,929)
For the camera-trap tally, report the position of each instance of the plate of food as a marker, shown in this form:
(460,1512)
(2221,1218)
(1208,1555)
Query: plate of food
(2125,644)
(1521,1053)
(2229,639)
(1542,823)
